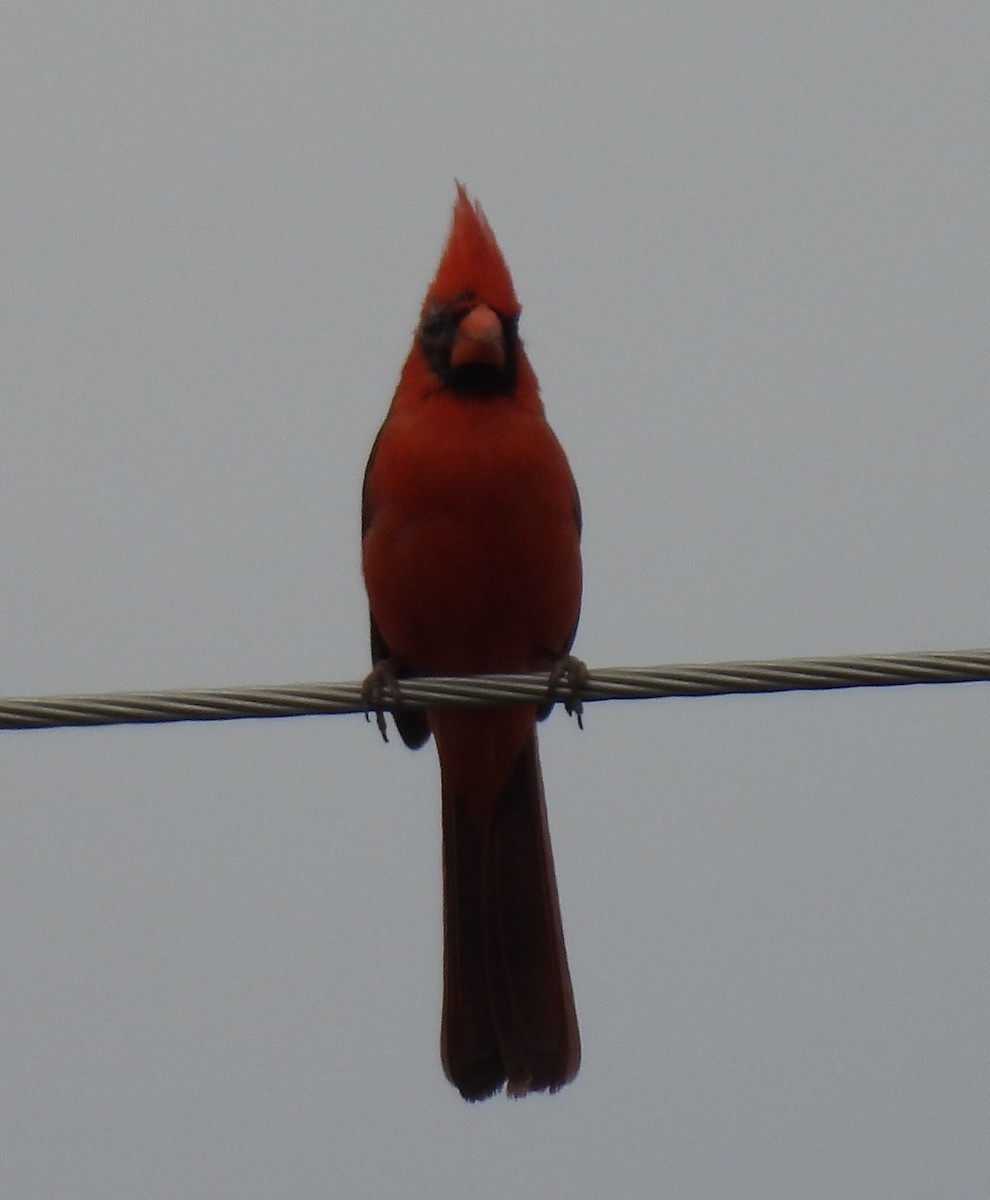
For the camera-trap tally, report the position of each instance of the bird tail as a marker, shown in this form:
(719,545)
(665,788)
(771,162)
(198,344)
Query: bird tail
(508,1006)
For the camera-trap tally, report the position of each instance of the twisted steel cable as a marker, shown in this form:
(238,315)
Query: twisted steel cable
(617,683)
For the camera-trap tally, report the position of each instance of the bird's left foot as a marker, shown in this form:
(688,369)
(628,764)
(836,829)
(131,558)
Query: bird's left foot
(571,674)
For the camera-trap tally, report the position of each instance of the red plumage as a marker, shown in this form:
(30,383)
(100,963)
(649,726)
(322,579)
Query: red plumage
(472,262)
(471,559)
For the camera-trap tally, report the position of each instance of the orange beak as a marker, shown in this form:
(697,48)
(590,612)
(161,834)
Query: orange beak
(479,339)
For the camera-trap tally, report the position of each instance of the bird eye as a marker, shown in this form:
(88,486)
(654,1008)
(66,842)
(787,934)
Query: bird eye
(433,326)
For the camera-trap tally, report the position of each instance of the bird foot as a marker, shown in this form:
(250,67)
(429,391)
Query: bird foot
(571,674)
(381,686)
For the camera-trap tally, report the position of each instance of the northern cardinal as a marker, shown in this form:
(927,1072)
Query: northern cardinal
(471,559)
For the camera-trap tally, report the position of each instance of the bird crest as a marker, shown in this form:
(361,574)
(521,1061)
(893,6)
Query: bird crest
(472,262)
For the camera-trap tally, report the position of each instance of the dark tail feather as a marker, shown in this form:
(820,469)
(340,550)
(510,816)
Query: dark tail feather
(469,1045)
(508,1010)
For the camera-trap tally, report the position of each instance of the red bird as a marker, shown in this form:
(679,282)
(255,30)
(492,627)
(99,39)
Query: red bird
(471,526)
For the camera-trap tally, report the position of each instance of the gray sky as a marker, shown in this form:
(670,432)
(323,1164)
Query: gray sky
(752,245)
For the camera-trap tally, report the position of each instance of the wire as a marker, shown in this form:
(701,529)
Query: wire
(632,683)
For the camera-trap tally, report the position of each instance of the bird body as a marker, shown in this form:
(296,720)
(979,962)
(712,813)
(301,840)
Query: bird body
(471,560)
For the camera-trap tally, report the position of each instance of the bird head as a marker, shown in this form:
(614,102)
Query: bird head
(468,329)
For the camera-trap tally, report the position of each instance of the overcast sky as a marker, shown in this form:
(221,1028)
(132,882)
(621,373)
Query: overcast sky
(751,241)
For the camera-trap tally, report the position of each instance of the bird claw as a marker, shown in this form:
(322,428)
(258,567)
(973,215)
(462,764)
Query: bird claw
(380,686)
(572,674)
